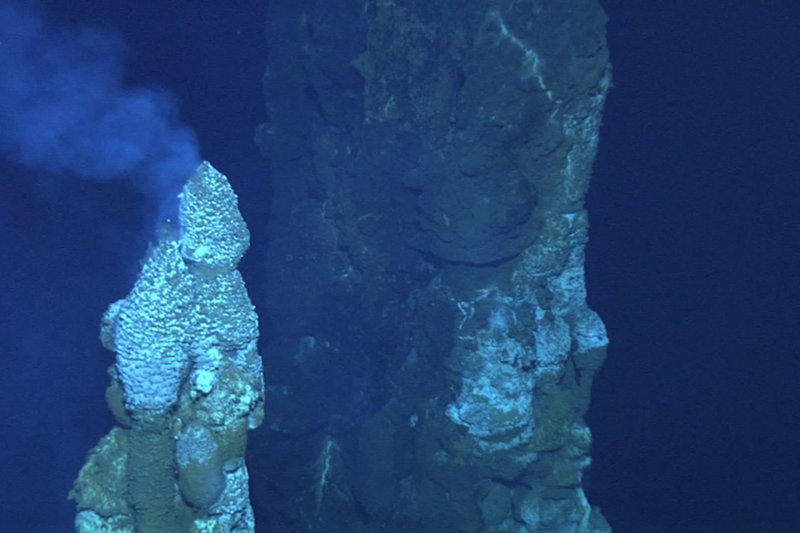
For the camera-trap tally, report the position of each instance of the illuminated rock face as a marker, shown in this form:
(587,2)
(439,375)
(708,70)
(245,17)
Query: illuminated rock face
(433,158)
(187,384)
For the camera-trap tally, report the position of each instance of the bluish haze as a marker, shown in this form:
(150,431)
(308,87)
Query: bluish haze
(65,109)
(690,262)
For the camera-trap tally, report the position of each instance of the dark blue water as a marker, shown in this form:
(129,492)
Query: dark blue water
(692,262)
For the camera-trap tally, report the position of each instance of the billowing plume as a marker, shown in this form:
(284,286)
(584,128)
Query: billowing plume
(65,109)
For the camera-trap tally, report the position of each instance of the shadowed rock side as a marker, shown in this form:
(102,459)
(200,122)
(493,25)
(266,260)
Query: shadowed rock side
(431,351)
(187,383)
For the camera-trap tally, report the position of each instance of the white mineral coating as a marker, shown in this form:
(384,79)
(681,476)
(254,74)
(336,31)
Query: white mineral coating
(215,322)
(589,331)
(195,444)
(172,316)
(494,404)
(502,364)
(203,380)
(150,331)
(88,521)
(552,340)
(212,230)
(187,360)
(569,514)
(496,395)
(233,511)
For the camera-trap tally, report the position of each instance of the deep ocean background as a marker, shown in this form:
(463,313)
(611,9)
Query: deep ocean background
(693,260)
